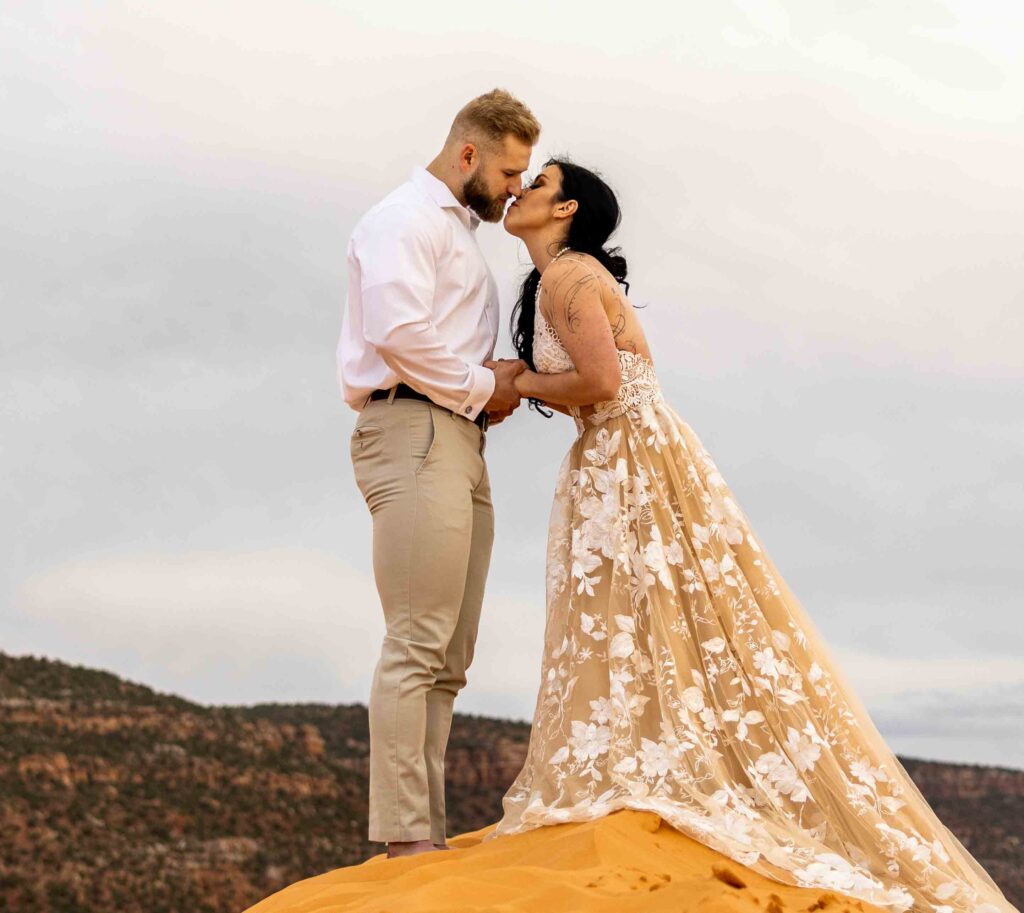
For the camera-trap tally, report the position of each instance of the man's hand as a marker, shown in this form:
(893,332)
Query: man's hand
(505,399)
(496,418)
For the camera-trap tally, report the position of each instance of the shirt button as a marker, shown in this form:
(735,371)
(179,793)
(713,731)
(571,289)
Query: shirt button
(469,409)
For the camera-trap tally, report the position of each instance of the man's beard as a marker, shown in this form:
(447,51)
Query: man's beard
(488,208)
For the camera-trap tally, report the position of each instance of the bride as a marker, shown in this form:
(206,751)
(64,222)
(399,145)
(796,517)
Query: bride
(680,674)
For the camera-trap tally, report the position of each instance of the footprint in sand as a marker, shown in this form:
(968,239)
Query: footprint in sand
(625,880)
(825,901)
(838,903)
(724,874)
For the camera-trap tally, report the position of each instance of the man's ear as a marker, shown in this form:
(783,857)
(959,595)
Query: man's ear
(468,156)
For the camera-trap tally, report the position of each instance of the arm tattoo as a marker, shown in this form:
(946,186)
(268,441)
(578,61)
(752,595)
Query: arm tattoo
(619,324)
(568,288)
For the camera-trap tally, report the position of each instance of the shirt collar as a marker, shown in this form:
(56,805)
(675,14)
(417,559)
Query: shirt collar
(440,193)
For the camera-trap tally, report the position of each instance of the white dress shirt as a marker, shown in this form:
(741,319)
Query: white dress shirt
(422,304)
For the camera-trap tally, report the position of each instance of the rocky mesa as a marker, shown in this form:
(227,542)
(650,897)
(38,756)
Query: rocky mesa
(116,796)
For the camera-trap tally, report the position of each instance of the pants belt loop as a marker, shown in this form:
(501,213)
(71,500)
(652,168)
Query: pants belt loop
(391,395)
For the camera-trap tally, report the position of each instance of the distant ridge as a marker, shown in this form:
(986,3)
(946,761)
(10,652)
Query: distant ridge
(114,796)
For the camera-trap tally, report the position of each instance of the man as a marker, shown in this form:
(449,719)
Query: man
(421,320)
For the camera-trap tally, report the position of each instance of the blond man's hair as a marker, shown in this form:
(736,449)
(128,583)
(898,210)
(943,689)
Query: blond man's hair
(493,116)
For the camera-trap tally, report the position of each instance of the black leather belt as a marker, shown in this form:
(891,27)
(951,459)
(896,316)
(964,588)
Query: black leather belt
(404,391)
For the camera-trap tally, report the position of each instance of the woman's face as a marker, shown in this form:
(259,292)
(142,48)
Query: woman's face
(535,208)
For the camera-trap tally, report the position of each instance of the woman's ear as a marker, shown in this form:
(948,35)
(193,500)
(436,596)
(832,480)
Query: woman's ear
(566,209)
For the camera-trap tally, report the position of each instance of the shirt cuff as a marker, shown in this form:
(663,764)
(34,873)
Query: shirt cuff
(480,392)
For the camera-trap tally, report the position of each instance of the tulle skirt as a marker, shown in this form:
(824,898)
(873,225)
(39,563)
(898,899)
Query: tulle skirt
(681,676)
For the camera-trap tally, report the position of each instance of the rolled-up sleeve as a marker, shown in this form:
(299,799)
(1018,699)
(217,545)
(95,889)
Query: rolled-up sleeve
(397,263)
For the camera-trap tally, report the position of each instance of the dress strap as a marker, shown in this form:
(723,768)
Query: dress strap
(586,266)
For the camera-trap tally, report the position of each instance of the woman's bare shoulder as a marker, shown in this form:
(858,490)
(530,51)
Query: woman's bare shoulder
(565,280)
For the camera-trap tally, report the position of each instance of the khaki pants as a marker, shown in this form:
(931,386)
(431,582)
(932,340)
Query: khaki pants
(421,470)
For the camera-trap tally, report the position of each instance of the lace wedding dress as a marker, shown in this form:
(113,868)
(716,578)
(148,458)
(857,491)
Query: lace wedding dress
(681,676)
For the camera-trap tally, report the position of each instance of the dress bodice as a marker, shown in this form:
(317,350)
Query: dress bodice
(639,386)
(549,355)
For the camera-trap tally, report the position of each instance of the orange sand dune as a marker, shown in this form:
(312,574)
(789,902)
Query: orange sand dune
(624,862)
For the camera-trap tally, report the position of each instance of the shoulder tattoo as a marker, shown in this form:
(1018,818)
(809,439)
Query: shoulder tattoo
(567,289)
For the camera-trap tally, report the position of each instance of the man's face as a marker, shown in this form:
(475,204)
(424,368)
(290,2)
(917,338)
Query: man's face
(498,177)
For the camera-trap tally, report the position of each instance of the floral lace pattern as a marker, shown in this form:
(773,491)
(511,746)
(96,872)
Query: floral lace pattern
(639,382)
(680,675)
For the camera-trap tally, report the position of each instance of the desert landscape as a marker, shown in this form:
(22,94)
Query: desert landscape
(116,796)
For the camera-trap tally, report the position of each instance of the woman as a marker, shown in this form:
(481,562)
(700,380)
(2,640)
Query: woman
(680,675)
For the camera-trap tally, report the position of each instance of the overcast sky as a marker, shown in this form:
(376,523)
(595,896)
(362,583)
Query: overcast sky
(823,216)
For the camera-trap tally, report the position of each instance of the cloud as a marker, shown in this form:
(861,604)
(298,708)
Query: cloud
(883,679)
(981,724)
(282,625)
(821,215)
(269,625)
(986,711)
(213,626)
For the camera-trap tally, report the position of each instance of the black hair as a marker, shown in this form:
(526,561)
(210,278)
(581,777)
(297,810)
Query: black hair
(595,220)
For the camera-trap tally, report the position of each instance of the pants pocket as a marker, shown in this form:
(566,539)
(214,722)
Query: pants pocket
(422,437)
(364,437)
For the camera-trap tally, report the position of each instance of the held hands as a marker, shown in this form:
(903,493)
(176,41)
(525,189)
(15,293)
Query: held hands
(505,399)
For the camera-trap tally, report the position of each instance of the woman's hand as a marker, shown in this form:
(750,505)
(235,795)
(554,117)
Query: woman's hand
(523,382)
(506,370)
